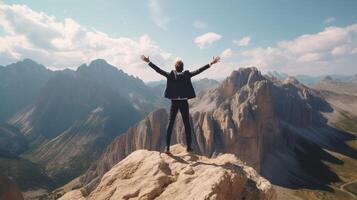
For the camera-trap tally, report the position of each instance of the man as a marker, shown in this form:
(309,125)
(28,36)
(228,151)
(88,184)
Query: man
(179,89)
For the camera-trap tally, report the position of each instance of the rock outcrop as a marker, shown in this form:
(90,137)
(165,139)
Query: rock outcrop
(147,134)
(153,175)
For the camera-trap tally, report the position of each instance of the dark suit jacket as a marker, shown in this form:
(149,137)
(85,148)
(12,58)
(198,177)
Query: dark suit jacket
(179,84)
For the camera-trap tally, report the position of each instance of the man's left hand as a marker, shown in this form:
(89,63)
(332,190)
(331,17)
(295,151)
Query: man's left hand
(215,60)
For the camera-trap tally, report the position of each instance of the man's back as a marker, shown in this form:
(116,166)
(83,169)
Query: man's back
(179,85)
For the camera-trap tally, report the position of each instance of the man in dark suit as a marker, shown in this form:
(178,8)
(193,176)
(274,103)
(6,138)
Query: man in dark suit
(179,89)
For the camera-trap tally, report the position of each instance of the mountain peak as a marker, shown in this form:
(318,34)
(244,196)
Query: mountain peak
(99,62)
(241,77)
(98,66)
(148,174)
(247,75)
(291,80)
(29,61)
(102,65)
(26,63)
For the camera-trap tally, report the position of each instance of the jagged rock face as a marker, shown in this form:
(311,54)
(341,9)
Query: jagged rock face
(242,122)
(238,79)
(212,98)
(153,175)
(147,134)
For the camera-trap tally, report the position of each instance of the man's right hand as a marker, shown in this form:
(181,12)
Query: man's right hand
(145,59)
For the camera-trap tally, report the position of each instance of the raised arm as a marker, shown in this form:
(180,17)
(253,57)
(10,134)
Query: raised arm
(201,69)
(156,68)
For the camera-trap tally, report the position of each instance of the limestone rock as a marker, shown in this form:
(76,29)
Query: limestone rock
(153,175)
(73,195)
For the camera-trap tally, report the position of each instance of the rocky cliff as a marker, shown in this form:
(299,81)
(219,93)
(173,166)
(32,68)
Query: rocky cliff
(153,175)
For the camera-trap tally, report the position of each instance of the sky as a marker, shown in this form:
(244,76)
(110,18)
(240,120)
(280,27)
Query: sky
(312,37)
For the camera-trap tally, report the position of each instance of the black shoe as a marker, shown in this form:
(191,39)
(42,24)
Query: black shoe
(167,150)
(189,149)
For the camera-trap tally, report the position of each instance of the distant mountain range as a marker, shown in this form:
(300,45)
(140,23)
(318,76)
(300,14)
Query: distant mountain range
(21,84)
(337,86)
(305,79)
(311,80)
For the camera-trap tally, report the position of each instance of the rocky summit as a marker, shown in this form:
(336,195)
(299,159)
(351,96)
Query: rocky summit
(148,174)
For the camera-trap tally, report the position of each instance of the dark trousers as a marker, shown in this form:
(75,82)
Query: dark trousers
(181,105)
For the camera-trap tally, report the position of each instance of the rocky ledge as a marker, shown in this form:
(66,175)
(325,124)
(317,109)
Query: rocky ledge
(180,175)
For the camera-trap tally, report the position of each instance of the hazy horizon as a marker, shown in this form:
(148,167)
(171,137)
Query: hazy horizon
(195,79)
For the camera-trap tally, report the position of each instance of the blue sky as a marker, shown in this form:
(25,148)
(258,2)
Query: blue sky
(173,26)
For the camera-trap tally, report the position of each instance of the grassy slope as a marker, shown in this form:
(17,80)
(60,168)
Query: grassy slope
(346,172)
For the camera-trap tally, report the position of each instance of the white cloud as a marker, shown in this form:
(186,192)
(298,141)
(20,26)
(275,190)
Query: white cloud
(199,24)
(333,50)
(59,44)
(157,15)
(207,39)
(329,20)
(243,42)
(227,53)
